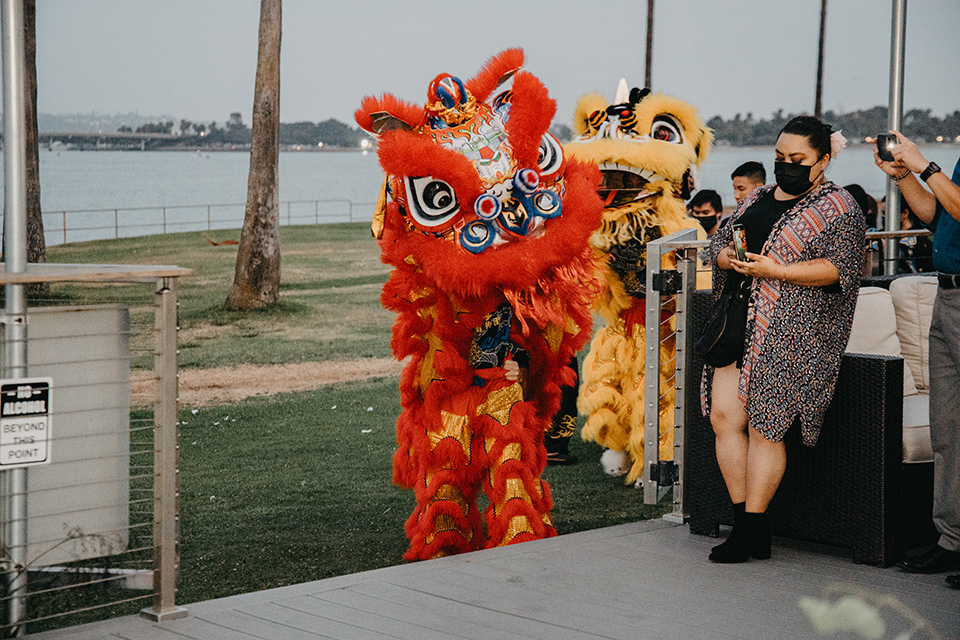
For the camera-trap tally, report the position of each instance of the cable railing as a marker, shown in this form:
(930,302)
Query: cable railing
(78,225)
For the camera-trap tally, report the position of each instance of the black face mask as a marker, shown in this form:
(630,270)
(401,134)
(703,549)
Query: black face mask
(792,178)
(707,222)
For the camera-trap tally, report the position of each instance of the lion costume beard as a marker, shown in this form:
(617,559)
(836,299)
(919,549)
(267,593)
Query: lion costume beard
(486,225)
(646,145)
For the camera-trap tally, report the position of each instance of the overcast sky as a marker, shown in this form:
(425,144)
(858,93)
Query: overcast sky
(196,59)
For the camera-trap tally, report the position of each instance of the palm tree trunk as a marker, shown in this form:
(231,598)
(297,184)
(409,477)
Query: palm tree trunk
(36,243)
(648,77)
(256,281)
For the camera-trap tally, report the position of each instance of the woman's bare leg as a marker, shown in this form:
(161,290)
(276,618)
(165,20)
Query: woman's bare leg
(729,419)
(766,462)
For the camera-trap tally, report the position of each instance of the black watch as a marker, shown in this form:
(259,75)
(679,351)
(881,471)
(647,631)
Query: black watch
(931,169)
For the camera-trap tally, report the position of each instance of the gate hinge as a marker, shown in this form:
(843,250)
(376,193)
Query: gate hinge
(668,282)
(665,473)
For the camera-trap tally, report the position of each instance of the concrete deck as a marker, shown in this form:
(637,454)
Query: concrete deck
(641,580)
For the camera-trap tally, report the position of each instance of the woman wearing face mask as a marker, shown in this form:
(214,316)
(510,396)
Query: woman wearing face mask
(805,239)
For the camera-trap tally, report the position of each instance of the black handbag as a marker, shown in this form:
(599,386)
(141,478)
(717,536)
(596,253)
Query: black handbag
(721,341)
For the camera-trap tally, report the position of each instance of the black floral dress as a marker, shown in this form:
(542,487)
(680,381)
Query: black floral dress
(796,334)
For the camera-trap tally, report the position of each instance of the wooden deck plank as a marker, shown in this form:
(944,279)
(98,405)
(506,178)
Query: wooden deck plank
(198,629)
(371,619)
(445,626)
(318,623)
(259,627)
(641,580)
(432,606)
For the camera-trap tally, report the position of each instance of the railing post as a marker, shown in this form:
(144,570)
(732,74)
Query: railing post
(288,213)
(651,405)
(116,224)
(64,227)
(164,221)
(166,458)
(316,212)
(208,217)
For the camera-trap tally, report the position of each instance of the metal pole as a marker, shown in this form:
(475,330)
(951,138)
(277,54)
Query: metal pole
(15,254)
(894,117)
(166,456)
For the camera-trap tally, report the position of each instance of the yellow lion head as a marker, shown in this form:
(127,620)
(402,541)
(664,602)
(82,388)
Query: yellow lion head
(646,146)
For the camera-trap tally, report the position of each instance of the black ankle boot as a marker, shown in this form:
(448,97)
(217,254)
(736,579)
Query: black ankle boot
(760,540)
(736,548)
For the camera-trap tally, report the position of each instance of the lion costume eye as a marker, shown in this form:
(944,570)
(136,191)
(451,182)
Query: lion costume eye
(666,129)
(432,202)
(551,155)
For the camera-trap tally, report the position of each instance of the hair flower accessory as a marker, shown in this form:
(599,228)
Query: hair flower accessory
(837,143)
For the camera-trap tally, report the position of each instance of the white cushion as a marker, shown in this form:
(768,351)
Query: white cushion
(875,330)
(913,298)
(916,429)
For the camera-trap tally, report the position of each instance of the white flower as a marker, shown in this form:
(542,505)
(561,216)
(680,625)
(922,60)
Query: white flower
(837,144)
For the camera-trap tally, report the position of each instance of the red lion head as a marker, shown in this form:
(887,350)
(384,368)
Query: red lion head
(478,192)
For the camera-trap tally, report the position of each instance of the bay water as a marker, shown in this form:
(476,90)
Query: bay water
(102,194)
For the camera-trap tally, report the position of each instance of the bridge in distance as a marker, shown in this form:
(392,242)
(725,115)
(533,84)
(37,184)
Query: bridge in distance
(101,140)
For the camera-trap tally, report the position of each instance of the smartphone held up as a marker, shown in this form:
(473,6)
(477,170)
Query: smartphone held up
(885,144)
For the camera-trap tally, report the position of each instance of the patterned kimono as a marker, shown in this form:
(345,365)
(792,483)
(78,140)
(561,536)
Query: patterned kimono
(796,334)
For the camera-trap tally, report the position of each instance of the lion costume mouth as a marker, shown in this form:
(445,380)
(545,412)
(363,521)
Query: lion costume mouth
(622,184)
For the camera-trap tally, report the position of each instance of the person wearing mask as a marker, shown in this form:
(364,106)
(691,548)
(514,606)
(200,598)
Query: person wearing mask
(706,208)
(804,241)
(746,178)
(935,199)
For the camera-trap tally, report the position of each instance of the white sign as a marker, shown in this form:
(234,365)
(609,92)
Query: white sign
(24,422)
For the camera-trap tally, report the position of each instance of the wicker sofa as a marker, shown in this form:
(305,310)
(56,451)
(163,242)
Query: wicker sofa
(853,489)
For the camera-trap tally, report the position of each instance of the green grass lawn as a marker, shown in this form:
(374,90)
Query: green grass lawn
(297,487)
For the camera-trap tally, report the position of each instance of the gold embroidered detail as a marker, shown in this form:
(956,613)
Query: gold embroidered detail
(518,525)
(512,451)
(500,402)
(454,426)
(457,114)
(380,213)
(562,428)
(514,489)
(427,373)
(553,334)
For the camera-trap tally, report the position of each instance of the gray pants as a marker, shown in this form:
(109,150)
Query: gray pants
(945,416)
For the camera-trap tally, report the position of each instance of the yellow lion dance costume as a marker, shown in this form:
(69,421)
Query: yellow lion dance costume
(646,146)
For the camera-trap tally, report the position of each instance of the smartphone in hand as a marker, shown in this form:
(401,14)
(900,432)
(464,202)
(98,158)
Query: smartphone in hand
(885,144)
(740,242)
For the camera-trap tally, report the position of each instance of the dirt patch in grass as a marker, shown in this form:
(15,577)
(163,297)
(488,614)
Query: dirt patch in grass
(224,385)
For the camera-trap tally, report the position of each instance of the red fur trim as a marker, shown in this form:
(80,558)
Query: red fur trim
(531,113)
(409,113)
(488,78)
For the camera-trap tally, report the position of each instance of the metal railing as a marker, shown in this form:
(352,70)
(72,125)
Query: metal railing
(102,517)
(669,299)
(77,225)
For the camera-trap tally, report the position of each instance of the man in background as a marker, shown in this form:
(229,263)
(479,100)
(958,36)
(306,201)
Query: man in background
(746,178)
(706,208)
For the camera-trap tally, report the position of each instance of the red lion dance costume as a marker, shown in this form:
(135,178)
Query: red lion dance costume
(487,227)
